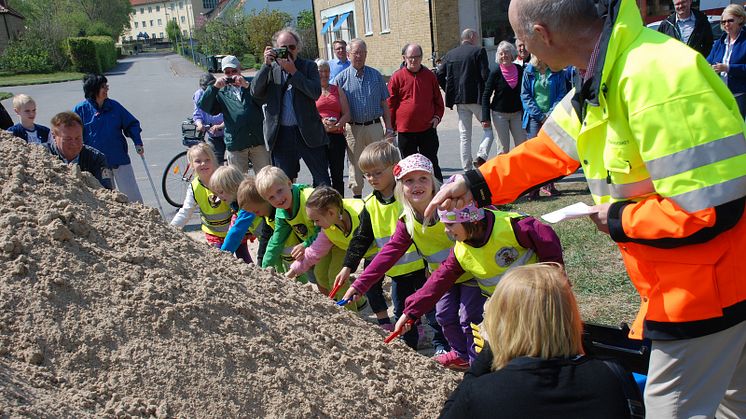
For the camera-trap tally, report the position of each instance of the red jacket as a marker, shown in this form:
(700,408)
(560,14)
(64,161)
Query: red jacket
(415,99)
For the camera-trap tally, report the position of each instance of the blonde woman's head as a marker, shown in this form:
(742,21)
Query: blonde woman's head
(533,312)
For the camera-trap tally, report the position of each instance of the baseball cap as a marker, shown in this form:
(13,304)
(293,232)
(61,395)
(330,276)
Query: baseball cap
(468,214)
(412,163)
(229,61)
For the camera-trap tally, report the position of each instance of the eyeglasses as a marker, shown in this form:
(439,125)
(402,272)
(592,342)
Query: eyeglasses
(290,47)
(724,21)
(413,58)
(375,174)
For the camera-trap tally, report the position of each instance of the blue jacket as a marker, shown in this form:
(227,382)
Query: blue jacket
(737,66)
(559,85)
(105,128)
(238,230)
(41,131)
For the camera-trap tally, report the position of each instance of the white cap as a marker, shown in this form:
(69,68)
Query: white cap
(229,61)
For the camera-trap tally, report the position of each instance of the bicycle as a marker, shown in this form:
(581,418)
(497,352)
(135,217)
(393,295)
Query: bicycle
(178,175)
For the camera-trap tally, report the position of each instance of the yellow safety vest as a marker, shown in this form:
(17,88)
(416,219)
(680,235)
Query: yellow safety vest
(433,244)
(354,207)
(214,213)
(383,219)
(302,226)
(290,242)
(502,252)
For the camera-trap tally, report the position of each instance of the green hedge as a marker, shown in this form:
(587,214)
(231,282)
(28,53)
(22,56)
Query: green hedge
(92,54)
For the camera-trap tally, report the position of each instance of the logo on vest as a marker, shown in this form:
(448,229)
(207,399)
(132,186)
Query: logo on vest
(213,200)
(301,230)
(506,256)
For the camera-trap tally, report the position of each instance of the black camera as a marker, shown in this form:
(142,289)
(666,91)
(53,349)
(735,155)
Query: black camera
(281,52)
(230,80)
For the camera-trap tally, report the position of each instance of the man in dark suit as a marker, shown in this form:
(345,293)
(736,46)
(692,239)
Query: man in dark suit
(462,76)
(689,26)
(288,87)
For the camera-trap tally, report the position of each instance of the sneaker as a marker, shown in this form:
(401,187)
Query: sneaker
(440,351)
(479,161)
(453,361)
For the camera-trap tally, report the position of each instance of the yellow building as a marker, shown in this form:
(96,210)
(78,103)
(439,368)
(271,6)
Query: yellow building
(151,16)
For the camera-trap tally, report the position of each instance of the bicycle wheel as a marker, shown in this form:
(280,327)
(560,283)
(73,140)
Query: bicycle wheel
(176,179)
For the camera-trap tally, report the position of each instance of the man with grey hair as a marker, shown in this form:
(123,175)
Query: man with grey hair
(366,94)
(661,142)
(462,75)
(416,107)
(288,87)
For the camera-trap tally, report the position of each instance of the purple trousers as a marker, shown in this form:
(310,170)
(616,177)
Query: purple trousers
(461,305)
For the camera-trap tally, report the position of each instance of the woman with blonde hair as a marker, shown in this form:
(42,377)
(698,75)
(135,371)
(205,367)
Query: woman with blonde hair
(728,55)
(534,364)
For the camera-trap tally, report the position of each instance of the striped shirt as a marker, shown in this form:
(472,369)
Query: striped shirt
(365,92)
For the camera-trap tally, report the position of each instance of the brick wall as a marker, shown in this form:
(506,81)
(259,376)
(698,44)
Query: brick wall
(409,22)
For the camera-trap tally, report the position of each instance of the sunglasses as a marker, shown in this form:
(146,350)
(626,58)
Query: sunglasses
(724,21)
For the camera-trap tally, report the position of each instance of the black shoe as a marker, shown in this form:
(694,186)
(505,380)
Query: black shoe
(479,161)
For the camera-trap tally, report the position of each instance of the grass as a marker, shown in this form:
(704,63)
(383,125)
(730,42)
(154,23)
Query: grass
(593,262)
(28,79)
(5,95)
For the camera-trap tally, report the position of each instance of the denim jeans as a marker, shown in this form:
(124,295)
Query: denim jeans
(290,148)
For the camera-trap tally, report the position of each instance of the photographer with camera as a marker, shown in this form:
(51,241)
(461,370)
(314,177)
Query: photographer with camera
(288,87)
(242,116)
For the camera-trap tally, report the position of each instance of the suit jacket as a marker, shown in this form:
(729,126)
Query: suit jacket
(701,38)
(267,88)
(463,73)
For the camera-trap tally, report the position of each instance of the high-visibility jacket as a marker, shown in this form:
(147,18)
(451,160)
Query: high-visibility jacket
(290,242)
(383,219)
(488,263)
(432,244)
(354,207)
(659,136)
(214,213)
(302,226)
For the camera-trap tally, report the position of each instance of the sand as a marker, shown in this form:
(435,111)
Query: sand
(105,310)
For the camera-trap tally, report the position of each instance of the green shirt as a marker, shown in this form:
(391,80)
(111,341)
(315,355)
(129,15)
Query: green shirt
(541,90)
(243,118)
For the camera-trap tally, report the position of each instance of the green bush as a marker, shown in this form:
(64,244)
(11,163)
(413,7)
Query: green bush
(257,66)
(27,55)
(248,61)
(92,54)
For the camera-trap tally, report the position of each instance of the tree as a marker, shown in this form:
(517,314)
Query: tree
(262,25)
(307,31)
(173,32)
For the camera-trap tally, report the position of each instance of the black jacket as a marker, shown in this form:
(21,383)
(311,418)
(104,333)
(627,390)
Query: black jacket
(506,99)
(463,73)
(701,38)
(269,89)
(90,160)
(540,388)
(5,120)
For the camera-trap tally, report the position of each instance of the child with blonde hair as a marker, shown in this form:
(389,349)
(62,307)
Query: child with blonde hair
(338,218)
(534,332)
(214,213)
(25,107)
(225,182)
(377,224)
(415,187)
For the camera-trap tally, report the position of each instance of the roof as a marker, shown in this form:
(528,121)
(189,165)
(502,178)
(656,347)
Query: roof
(142,2)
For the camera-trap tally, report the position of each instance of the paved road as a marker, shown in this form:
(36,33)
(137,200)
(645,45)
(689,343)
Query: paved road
(157,89)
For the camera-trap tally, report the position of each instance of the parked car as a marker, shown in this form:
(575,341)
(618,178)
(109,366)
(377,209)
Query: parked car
(717,30)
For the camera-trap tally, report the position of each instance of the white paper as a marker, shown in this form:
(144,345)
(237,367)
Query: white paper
(576,210)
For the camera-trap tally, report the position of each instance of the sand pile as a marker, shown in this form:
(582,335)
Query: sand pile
(106,311)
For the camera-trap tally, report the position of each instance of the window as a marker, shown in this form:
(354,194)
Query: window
(173,18)
(143,24)
(151,22)
(183,19)
(181,5)
(171,6)
(150,9)
(160,22)
(142,10)
(384,5)
(367,18)
(184,32)
(161,35)
(209,4)
(136,24)
(130,37)
(157,8)
(153,35)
